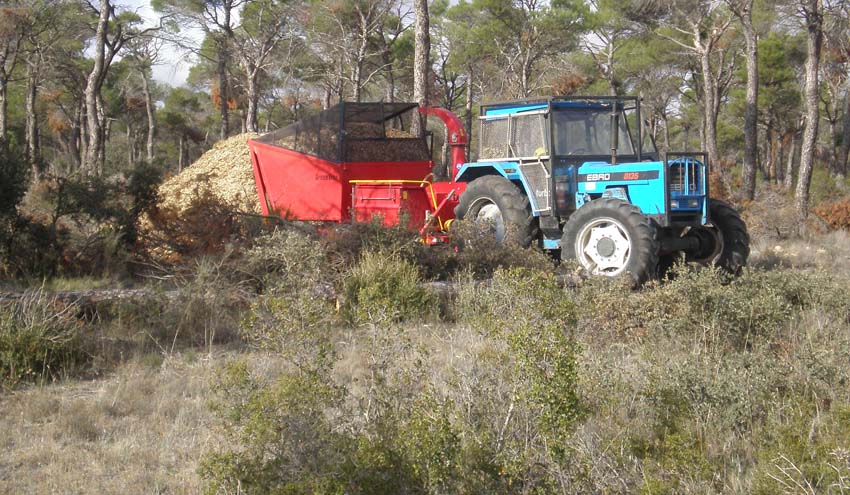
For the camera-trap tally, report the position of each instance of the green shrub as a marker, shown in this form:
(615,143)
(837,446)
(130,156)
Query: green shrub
(284,260)
(706,303)
(278,436)
(534,317)
(39,340)
(478,252)
(296,325)
(383,289)
(473,249)
(806,450)
(13,181)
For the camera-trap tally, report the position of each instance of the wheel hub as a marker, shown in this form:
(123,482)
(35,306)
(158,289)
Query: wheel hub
(606,247)
(710,246)
(603,247)
(489,213)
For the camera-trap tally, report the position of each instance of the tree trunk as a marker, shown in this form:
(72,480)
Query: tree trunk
(253,99)
(390,76)
(609,76)
(709,109)
(131,146)
(180,155)
(833,144)
(751,114)
(770,153)
(92,92)
(101,153)
(780,160)
(84,135)
(222,89)
(844,153)
(149,108)
(789,167)
(422,48)
(33,151)
(814,27)
(357,77)
(105,133)
(4,105)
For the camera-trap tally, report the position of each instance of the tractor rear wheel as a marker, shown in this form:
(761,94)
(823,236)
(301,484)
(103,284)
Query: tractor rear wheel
(610,237)
(734,248)
(497,201)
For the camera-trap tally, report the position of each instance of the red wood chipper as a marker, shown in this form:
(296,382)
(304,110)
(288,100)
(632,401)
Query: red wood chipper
(358,161)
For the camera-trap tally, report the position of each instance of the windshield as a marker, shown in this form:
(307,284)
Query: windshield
(588,132)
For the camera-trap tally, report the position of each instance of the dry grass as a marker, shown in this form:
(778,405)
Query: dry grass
(141,430)
(829,252)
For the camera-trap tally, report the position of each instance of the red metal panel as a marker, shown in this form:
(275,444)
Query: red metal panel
(299,186)
(391,202)
(384,171)
(441,191)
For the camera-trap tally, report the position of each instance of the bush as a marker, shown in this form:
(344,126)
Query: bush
(39,340)
(384,289)
(206,226)
(13,181)
(532,315)
(707,303)
(473,249)
(374,410)
(284,260)
(286,442)
(836,214)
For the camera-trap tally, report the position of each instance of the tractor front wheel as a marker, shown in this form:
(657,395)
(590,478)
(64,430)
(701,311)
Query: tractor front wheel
(610,237)
(734,241)
(495,201)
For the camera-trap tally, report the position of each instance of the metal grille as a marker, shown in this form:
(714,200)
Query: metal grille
(495,138)
(529,135)
(537,177)
(684,177)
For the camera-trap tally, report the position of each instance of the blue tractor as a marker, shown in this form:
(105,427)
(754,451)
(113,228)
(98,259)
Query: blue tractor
(578,175)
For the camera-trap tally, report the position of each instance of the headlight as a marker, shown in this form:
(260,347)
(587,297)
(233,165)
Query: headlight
(674,204)
(693,203)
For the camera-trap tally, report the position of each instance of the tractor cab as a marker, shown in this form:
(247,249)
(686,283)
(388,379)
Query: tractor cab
(548,167)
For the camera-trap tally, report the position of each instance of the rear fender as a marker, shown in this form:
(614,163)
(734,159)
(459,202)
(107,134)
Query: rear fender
(509,170)
(468,172)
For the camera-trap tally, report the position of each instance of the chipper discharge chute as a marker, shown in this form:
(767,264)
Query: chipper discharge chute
(356,161)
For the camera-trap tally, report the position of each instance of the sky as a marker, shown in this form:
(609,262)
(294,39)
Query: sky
(174,68)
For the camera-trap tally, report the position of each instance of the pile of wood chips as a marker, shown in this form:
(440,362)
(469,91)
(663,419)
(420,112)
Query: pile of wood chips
(224,171)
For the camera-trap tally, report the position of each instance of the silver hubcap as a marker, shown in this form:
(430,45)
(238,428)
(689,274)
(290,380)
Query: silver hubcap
(603,247)
(487,212)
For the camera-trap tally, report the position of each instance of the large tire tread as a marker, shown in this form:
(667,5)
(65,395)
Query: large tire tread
(736,239)
(521,226)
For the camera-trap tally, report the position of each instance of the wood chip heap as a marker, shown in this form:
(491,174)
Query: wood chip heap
(225,171)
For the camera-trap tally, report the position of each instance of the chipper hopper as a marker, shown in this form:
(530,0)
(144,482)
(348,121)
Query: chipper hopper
(358,161)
